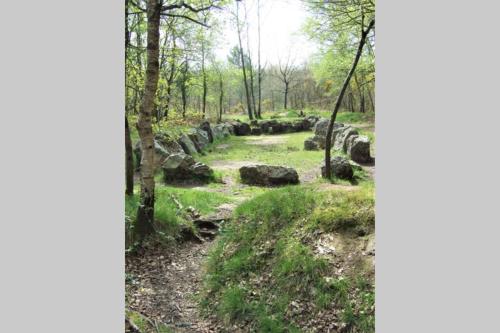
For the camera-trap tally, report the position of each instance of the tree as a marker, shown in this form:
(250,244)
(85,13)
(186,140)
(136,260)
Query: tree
(259,69)
(154,10)
(242,58)
(129,161)
(287,76)
(329,133)
(145,212)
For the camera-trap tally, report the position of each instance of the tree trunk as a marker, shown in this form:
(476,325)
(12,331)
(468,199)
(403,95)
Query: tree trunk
(351,101)
(170,80)
(145,212)
(259,69)
(360,93)
(221,97)
(286,94)
(204,102)
(371,100)
(249,103)
(329,133)
(129,161)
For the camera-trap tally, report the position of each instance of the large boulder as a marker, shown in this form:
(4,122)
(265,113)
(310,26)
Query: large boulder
(168,143)
(341,136)
(312,120)
(359,150)
(199,138)
(307,123)
(321,127)
(341,168)
(220,131)
(205,126)
(229,127)
(310,144)
(241,128)
(266,125)
(256,131)
(187,145)
(320,141)
(179,167)
(268,175)
(160,154)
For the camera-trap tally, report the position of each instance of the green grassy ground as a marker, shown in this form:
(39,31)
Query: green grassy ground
(263,262)
(287,152)
(167,215)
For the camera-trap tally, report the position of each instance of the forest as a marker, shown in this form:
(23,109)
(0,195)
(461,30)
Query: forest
(250,163)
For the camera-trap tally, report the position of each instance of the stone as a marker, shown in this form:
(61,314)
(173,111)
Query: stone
(179,167)
(321,127)
(160,154)
(220,131)
(205,126)
(241,128)
(349,141)
(199,138)
(268,175)
(312,120)
(266,124)
(256,131)
(341,168)
(229,127)
(187,145)
(310,144)
(359,150)
(320,141)
(168,143)
(340,137)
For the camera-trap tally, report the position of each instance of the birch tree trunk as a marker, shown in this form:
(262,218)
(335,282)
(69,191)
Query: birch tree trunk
(145,212)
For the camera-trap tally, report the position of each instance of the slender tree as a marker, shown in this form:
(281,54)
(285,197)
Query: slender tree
(259,69)
(329,133)
(204,72)
(250,64)
(249,103)
(287,76)
(145,212)
(129,162)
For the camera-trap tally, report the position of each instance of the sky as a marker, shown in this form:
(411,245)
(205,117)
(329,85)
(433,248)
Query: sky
(281,23)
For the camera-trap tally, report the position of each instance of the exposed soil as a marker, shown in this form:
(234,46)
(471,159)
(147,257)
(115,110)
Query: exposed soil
(229,165)
(163,283)
(266,140)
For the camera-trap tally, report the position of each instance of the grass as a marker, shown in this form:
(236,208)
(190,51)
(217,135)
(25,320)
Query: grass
(146,325)
(291,153)
(167,214)
(261,264)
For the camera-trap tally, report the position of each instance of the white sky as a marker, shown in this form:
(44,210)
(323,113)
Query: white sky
(281,22)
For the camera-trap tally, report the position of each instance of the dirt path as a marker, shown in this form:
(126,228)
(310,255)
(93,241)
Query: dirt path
(163,283)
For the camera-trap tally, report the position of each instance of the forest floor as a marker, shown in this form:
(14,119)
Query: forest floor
(163,283)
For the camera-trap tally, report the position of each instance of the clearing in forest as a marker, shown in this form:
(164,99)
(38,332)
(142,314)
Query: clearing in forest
(168,283)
